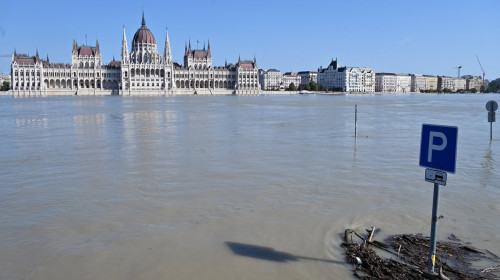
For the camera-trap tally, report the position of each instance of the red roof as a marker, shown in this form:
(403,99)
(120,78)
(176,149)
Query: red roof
(87,50)
(246,65)
(143,35)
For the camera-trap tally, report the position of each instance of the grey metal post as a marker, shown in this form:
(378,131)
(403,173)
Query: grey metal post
(491,131)
(432,247)
(356,120)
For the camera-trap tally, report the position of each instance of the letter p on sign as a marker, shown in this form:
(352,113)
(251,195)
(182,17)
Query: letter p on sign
(438,147)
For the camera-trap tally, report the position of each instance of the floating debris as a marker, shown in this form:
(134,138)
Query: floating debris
(454,259)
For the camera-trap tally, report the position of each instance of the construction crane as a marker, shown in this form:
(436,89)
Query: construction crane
(484,85)
(459,67)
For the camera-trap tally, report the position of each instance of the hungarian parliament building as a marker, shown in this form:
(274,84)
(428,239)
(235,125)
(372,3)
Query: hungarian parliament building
(141,71)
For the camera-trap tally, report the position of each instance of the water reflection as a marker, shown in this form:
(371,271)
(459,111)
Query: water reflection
(488,167)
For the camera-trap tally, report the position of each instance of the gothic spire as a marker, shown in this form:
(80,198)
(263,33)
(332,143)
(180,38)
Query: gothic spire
(36,53)
(209,48)
(168,54)
(203,45)
(125,54)
(143,20)
(48,58)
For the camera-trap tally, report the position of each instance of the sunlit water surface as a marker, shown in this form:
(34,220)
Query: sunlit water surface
(159,188)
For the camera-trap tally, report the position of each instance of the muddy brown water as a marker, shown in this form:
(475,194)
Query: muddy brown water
(164,187)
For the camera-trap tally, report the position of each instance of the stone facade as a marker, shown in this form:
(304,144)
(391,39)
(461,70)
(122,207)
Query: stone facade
(270,79)
(418,83)
(142,71)
(307,76)
(289,78)
(431,82)
(473,82)
(453,84)
(385,82)
(390,82)
(367,80)
(346,79)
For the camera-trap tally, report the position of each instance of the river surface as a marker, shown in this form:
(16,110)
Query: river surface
(230,187)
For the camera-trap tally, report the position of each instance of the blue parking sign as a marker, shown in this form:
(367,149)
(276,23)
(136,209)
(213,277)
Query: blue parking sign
(438,147)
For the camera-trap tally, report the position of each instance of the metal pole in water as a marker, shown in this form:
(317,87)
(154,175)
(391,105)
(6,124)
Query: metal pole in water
(491,131)
(432,249)
(356,120)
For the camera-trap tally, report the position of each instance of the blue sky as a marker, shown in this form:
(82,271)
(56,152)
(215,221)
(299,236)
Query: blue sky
(427,37)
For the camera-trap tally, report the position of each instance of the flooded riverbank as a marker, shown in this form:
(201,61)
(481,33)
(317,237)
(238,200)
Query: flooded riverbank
(155,187)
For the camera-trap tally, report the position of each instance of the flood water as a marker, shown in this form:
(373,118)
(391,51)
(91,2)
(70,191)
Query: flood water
(230,187)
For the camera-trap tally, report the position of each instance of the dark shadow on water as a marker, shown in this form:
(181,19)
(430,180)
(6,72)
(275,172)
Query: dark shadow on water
(268,253)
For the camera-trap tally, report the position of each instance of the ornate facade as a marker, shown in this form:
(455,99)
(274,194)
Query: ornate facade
(141,71)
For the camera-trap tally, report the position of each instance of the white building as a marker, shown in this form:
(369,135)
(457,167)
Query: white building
(270,79)
(289,78)
(453,84)
(385,82)
(347,79)
(367,80)
(142,71)
(390,82)
(403,83)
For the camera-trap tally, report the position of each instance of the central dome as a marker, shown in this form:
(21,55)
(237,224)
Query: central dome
(143,35)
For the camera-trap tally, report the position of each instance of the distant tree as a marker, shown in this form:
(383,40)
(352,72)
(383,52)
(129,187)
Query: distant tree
(292,87)
(321,87)
(447,90)
(494,86)
(314,86)
(473,90)
(5,86)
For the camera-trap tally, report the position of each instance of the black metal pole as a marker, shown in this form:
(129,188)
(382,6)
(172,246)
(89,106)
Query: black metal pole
(432,248)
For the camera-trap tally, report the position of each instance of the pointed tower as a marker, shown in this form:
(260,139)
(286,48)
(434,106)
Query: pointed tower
(189,50)
(36,53)
(48,58)
(185,49)
(209,53)
(125,54)
(168,54)
(97,44)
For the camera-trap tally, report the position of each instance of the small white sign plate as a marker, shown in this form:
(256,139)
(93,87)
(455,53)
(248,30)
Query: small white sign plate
(435,176)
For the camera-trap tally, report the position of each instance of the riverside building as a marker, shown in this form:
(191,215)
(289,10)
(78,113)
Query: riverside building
(347,79)
(270,79)
(453,84)
(390,82)
(141,71)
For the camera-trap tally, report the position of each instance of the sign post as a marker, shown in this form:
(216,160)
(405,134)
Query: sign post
(491,107)
(438,150)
